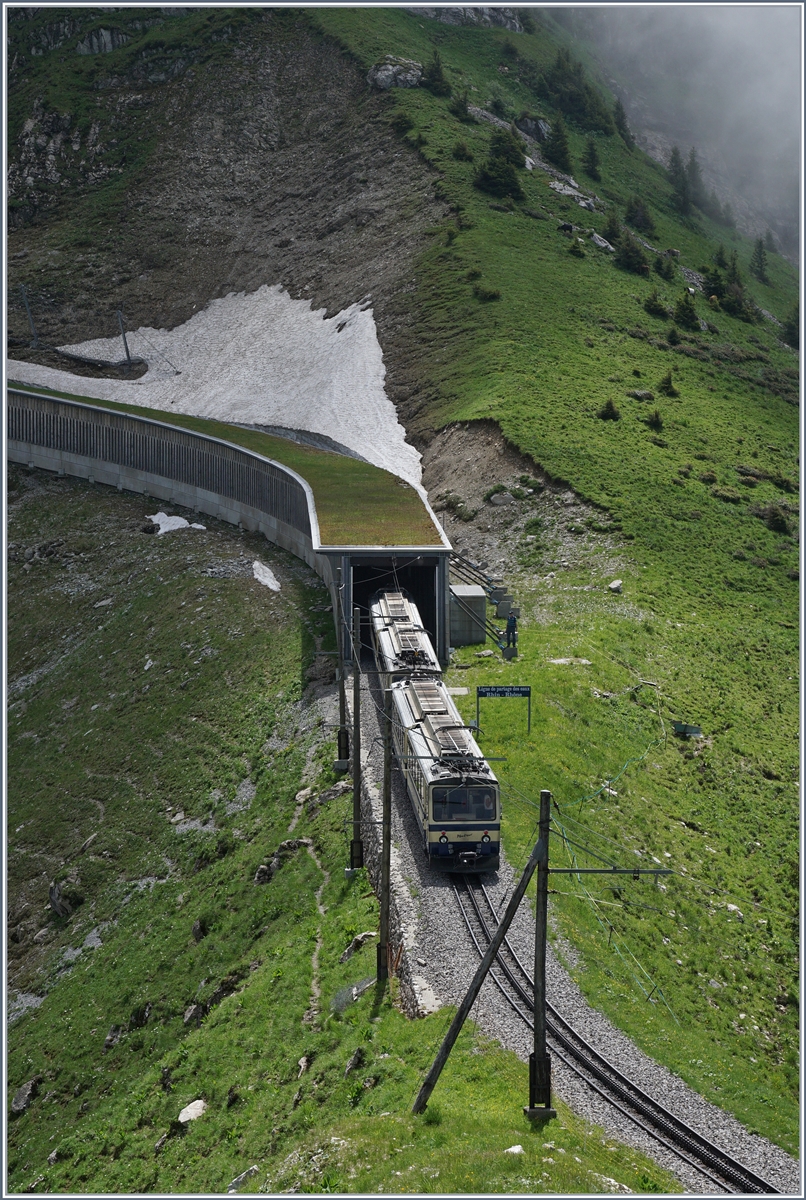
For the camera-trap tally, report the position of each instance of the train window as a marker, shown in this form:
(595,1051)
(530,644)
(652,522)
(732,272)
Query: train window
(464,804)
(483,801)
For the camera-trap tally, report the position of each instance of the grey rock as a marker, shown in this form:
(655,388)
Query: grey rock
(395,72)
(615,586)
(241,1179)
(24,1095)
(59,905)
(101,41)
(158,1145)
(193,1013)
(113,1037)
(501,498)
(534,128)
(355,1060)
(356,944)
(602,243)
(642,395)
(303,1065)
(199,930)
(485,654)
(53,1157)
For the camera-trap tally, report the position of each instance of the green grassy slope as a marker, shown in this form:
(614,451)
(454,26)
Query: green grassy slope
(102,744)
(705,494)
(356,502)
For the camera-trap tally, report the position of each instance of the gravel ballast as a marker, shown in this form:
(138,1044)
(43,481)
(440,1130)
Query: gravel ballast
(442,961)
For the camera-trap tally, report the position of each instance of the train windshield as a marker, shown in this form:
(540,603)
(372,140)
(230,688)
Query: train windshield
(463,804)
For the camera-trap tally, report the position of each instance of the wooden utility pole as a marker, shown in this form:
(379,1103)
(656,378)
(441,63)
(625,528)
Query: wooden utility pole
(539,1061)
(473,991)
(356,845)
(386,832)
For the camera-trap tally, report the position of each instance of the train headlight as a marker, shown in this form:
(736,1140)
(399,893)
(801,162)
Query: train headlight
(485,836)
(443,837)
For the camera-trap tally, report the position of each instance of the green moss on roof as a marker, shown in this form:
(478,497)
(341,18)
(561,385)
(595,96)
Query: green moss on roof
(357,504)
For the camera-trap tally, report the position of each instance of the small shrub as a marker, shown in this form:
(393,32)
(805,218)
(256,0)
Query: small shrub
(494,490)
(401,122)
(673,337)
(655,420)
(432,1115)
(609,412)
(576,249)
(462,152)
(528,482)
(664,267)
(473,273)
(708,477)
(505,144)
(485,294)
(498,105)
(666,387)
(459,107)
(498,178)
(728,494)
(775,518)
(654,306)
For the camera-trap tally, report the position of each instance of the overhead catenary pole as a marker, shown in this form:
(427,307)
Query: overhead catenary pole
(539,1061)
(386,836)
(343,740)
(356,845)
(473,991)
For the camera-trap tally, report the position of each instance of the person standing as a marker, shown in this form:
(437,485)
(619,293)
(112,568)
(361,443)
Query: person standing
(512,631)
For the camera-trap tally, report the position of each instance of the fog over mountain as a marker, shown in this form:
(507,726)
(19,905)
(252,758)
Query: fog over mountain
(724,78)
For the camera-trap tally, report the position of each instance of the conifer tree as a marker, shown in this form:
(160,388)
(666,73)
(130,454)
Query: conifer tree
(685,314)
(679,181)
(620,122)
(727,215)
(696,187)
(556,148)
(434,77)
(630,255)
(713,208)
(792,327)
(590,160)
(612,230)
(769,242)
(719,257)
(758,261)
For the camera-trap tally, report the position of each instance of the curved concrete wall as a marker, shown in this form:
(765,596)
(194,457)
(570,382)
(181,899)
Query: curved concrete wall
(169,463)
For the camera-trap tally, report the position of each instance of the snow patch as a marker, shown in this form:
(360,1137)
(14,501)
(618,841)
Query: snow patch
(265,575)
(263,359)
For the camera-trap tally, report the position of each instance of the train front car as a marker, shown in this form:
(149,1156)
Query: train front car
(452,788)
(402,646)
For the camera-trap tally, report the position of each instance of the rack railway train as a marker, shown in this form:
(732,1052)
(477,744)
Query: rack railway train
(454,793)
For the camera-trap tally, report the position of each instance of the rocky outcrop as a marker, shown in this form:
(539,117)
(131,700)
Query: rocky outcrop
(395,72)
(534,127)
(496,18)
(101,41)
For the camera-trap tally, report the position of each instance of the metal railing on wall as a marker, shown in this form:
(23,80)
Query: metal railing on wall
(157,448)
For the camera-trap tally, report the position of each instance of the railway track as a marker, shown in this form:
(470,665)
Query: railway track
(515,983)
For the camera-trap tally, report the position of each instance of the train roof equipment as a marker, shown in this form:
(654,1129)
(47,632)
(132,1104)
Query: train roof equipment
(437,733)
(402,642)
